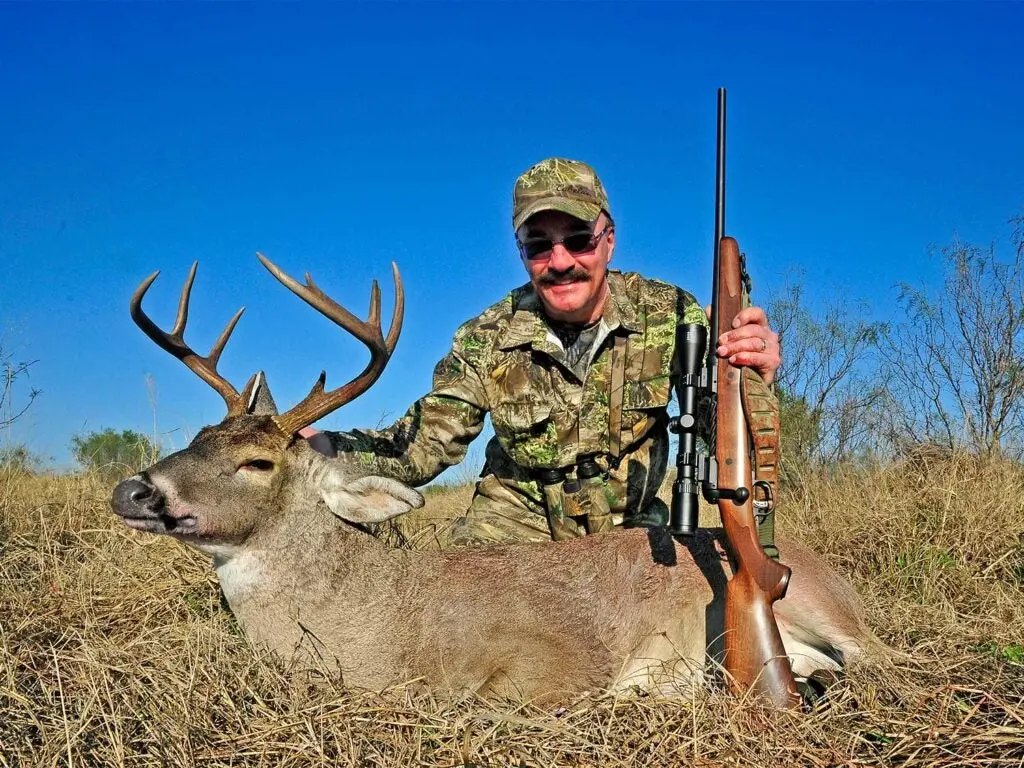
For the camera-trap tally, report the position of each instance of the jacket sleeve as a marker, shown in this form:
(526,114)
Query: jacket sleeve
(434,433)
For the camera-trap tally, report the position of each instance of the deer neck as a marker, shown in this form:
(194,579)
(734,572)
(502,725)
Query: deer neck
(306,554)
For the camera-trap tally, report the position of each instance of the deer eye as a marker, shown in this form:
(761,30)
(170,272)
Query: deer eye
(258,465)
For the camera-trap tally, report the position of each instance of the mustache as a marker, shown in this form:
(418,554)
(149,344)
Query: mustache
(574,275)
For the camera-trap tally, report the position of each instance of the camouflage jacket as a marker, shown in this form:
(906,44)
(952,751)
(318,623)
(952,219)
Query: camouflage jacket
(507,362)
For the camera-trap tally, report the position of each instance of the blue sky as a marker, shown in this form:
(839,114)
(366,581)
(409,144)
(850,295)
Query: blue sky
(336,138)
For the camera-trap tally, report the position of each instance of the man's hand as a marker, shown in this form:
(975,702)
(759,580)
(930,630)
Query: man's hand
(751,342)
(318,441)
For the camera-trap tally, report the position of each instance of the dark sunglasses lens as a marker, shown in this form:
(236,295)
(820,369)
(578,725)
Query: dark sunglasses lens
(537,248)
(579,243)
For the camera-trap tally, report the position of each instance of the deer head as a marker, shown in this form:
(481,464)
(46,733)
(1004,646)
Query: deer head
(250,468)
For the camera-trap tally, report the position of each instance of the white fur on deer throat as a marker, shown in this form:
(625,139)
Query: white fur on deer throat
(238,570)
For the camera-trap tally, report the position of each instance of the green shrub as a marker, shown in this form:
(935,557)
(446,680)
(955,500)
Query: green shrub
(114,454)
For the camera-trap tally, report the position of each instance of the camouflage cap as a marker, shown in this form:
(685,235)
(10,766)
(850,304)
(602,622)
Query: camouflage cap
(558,184)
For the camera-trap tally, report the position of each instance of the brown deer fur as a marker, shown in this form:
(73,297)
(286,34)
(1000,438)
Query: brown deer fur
(535,621)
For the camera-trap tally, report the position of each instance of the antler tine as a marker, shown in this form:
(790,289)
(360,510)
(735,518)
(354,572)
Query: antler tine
(321,302)
(396,322)
(319,403)
(174,342)
(218,346)
(181,320)
(374,316)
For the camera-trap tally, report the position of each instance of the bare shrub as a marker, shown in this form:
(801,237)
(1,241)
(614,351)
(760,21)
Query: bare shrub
(18,458)
(11,371)
(828,386)
(956,365)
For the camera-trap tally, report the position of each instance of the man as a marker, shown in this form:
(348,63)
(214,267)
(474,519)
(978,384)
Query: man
(574,369)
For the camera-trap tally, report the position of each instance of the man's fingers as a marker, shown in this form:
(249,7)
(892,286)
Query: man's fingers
(751,342)
(763,363)
(756,350)
(757,345)
(749,338)
(750,316)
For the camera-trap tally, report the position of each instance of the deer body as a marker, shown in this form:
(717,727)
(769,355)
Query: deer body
(537,621)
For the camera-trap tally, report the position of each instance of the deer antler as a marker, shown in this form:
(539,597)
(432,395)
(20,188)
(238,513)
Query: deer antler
(173,342)
(319,403)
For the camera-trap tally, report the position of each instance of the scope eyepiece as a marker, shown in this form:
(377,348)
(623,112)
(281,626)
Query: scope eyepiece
(691,344)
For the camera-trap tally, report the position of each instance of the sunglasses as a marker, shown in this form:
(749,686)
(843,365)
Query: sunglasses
(580,242)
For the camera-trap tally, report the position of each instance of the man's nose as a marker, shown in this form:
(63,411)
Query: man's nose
(561,259)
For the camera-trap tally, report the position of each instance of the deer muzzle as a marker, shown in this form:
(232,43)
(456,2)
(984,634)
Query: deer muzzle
(143,507)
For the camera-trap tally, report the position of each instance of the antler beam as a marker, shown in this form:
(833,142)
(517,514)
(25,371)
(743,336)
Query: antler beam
(174,342)
(319,403)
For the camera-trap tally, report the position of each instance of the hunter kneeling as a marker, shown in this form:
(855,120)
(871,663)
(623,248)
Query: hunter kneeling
(576,370)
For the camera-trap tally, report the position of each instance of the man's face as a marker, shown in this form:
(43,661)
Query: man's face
(571,285)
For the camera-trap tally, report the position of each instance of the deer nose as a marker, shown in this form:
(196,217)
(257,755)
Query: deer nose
(133,493)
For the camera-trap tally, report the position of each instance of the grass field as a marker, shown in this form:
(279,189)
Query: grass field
(115,650)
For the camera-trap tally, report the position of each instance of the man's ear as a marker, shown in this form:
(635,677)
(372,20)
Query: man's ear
(371,499)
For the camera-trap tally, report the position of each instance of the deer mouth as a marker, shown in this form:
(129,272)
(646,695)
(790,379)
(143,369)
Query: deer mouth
(161,523)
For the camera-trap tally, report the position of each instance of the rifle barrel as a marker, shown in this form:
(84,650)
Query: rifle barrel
(720,171)
(712,366)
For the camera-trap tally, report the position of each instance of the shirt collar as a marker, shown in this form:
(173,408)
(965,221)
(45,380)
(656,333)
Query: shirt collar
(528,325)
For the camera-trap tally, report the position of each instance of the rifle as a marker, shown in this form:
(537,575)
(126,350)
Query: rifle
(755,658)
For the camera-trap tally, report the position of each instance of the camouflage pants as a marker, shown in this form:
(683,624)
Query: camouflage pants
(498,514)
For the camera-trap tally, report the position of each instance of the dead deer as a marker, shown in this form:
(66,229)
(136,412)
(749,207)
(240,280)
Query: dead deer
(607,612)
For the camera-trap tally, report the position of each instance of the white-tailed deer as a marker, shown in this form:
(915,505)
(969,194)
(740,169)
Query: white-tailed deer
(536,621)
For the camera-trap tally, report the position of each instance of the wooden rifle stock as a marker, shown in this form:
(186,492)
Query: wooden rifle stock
(755,658)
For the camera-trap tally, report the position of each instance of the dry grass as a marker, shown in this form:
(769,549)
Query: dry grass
(114,650)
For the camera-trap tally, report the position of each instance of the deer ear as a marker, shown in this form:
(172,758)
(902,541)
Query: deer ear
(372,499)
(261,402)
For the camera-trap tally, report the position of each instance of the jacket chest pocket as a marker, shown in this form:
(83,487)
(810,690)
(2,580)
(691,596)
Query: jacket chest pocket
(644,404)
(526,431)
(520,413)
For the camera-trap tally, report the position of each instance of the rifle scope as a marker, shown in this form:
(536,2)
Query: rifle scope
(691,343)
